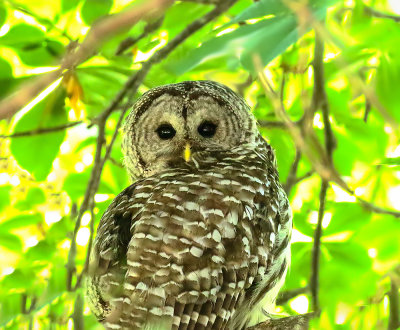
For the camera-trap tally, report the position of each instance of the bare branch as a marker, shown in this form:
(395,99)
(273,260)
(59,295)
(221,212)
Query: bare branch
(99,32)
(87,203)
(129,42)
(316,251)
(285,296)
(320,100)
(42,130)
(298,322)
(394,313)
(373,12)
(304,176)
(367,109)
(77,315)
(292,176)
(271,124)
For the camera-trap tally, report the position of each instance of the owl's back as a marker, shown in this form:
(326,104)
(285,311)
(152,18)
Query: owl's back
(194,246)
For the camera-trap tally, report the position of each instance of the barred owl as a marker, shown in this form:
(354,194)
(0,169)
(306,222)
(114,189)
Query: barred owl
(201,240)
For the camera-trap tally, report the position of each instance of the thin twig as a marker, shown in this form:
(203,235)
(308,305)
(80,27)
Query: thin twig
(376,209)
(42,130)
(292,176)
(394,305)
(367,110)
(316,251)
(99,32)
(129,42)
(373,12)
(271,124)
(320,100)
(298,322)
(41,20)
(304,176)
(77,315)
(86,204)
(285,296)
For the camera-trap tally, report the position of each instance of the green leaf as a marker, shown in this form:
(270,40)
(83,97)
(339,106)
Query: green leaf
(100,85)
(266,39)
(391,161)
(22,35)
(34,197)
(382,234)
(273,7)
(41,251)
(3,14)
(17,281)
(10,305)
(284,149)
(21,221)
(67,5)
(75,185)
(93,9)
(10,242)
(387,76)
(46,53)
(36,153)
(347,217)
(5,196)
(302,225)
(5,69)
(349,272)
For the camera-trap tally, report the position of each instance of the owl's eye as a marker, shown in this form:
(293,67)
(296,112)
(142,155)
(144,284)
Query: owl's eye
(207,129)
(165,131)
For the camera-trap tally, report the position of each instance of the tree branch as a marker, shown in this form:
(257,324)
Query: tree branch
(42,130)
(98,33)
(129,42)
(394,313)
(298,322)
(320,99)
(316,251)
(292,176)
(285,296)
(271,124)
(375,13)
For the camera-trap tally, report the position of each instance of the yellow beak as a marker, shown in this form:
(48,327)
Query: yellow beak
(187,152)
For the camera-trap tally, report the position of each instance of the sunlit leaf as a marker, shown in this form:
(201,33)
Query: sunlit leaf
(347,217)
(67,5)
(387,76)
(21,221)
(36,153)
(3,14)
(93,9)
(10,241)
(4,196)
(391,161)
(22,35)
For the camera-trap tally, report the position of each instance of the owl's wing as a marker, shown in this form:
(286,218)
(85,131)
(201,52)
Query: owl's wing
(108,256)
(274,216)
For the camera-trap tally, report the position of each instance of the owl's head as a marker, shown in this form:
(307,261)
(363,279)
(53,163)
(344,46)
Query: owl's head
(170,122)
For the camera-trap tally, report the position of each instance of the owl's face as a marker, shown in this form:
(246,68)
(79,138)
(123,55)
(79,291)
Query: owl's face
(168,120)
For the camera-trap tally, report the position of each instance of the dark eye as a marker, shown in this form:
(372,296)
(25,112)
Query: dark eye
(207,129)
(165,131)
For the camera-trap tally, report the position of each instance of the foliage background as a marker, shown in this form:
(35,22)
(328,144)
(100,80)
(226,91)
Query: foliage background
(330,109)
